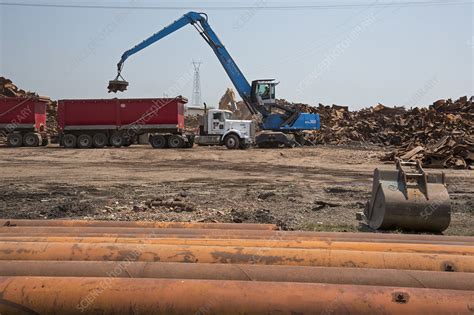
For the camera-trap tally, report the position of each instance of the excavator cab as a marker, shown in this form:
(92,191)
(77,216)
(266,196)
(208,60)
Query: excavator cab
(263,91)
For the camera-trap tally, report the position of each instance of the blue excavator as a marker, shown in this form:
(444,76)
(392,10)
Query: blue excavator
(281,124)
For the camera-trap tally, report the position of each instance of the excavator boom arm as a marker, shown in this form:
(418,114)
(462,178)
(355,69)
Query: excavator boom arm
(199,21)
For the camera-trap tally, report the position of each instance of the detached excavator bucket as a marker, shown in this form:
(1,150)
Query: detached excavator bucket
(408,198)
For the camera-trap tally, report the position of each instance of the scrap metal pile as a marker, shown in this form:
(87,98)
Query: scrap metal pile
(82,267)
(8,89)
(440,135)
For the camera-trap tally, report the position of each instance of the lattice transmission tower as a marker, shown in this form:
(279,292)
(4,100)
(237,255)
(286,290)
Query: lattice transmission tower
(196,100)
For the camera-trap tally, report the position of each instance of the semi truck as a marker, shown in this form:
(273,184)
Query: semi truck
(23,121)
(96,123)
(218,128)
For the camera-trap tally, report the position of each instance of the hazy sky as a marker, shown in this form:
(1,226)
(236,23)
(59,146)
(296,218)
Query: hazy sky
(356,56)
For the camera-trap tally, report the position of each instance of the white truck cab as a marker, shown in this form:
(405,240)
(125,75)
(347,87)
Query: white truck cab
(218,128)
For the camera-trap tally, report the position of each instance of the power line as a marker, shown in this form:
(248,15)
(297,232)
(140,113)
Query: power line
(259,7)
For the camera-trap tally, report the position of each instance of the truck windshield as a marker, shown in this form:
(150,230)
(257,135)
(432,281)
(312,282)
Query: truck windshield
(228,115)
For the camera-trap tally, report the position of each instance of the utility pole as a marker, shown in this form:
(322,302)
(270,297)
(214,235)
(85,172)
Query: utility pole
(196,100)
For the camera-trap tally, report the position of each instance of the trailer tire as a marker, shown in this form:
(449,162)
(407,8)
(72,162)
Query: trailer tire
(232,142)
(69,141)
(31,139)
(127,142)
(84,141)
(99,140)
(175,142)
(15,140)
(116,140)
(244,146)
(158,141)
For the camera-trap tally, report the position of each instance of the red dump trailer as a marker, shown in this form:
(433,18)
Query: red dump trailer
(23,120)
(96,123)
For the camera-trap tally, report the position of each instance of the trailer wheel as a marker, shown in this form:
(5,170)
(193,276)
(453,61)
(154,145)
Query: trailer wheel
(31,139)
(116,140)
(99,140)
(158,141)
(127,142)
(244,146)
(15,140)
(84,141)
(232,142)
(69,141)
(175,142)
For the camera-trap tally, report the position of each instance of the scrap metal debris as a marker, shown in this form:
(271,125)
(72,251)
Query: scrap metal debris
(440,135)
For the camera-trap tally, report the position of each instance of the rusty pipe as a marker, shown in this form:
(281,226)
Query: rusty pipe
(282,237)
(233,255)
(232,233)
(354,276)
(37,236)
(138,224)
(15,236)
(40,295)
(272,243)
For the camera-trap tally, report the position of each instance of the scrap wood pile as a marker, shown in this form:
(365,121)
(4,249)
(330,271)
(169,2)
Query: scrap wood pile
(112,267)
(440,135)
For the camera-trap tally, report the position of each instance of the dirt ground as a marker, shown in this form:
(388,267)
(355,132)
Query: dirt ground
(311,188)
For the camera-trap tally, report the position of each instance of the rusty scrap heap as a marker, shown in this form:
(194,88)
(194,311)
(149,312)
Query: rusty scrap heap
(84,267)
(8,89)
(440,135)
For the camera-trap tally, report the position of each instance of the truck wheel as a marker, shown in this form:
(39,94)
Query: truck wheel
(158,142)
(232,142)
(175,142)
(127,142)
(116,140)
(244,146)
(14,140)
(84,141)
(31,140)
(44,141)
(99,140)
(69,141)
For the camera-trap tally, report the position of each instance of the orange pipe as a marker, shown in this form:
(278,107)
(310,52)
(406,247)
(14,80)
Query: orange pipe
(14,236)
(233,255)
(139,224)
(58,295)
(272,243)
(203,271)
(212,233)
